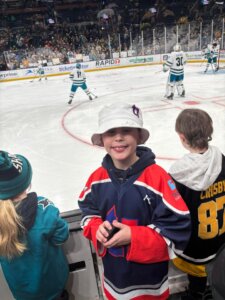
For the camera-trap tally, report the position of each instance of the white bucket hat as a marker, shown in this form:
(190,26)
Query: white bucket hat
(116,116)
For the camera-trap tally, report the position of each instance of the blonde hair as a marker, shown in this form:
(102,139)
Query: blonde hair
(12,231)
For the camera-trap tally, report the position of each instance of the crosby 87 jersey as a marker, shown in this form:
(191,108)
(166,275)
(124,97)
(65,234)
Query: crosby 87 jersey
(208,219)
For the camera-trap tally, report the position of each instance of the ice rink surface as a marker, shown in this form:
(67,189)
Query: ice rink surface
(36,121)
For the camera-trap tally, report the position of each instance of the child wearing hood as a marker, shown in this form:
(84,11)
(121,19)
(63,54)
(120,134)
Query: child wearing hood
(200,179)
(134,198)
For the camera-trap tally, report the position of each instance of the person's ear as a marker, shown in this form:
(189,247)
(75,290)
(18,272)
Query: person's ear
(182,138)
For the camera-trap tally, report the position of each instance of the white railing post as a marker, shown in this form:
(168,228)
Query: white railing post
(165,40)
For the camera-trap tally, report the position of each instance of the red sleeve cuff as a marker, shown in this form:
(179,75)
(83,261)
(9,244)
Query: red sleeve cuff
(90,233)
(147,246)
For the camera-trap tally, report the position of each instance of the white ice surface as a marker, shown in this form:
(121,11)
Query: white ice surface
(36,121)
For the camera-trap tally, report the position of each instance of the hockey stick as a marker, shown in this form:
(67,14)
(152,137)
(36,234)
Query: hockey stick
(218,65)
(67,80)
(203,58)
(167,88)
(157,72)
(34,74)
(203,61)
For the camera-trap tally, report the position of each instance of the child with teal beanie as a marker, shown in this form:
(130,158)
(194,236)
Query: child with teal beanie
(31,235)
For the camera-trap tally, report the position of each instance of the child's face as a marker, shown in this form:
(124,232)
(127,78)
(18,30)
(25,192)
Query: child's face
(121,143)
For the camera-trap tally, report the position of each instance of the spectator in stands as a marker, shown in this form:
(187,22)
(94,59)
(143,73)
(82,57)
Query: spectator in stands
(65,34)
(31,235)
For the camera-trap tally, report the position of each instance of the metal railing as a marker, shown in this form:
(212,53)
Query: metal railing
(133,42)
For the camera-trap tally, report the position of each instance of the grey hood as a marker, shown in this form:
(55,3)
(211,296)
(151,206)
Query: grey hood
(198,171)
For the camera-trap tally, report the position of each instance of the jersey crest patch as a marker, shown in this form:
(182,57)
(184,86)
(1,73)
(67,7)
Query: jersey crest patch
(45,203)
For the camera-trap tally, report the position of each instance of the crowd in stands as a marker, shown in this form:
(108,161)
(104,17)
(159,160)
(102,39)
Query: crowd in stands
(95,29)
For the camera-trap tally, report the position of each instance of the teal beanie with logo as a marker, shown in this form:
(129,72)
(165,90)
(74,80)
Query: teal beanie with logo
(15,175)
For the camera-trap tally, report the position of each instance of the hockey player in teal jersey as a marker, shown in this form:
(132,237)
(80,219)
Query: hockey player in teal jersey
(78,78)
(41,72)
(175,64)
(211,54)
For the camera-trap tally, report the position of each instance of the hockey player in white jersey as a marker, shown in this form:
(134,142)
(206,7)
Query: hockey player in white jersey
(175,64)
(211,54)
(79,80)
(41,72)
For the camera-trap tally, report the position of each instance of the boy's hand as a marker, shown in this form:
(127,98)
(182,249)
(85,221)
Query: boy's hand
(103,232)
(120,238)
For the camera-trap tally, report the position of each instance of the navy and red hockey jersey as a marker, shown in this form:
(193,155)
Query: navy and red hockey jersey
(145,198)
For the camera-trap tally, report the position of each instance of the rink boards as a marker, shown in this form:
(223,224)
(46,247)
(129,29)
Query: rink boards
(85,268)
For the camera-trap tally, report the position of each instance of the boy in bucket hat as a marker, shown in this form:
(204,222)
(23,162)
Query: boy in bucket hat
(131,209)
(31,232)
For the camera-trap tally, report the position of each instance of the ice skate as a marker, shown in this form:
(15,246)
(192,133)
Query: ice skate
(70,101)
(170,97)
(183,94)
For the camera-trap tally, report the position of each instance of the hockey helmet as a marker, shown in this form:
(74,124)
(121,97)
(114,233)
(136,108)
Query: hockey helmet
(177,48)
(78,66)
(214,43)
